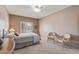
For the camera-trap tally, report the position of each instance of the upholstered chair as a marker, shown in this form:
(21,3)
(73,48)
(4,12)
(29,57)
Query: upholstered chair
(51,35)
(67,37)
(64,38)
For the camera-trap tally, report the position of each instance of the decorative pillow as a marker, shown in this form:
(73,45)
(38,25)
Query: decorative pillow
(17,34)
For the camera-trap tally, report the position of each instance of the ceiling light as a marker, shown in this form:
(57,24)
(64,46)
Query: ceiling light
(37,8)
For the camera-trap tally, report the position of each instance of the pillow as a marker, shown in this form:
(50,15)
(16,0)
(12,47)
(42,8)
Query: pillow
(17,34)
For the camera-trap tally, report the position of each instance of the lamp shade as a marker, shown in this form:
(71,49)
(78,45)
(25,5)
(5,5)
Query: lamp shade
(12,30)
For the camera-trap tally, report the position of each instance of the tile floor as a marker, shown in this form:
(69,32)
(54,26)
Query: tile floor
(49,47)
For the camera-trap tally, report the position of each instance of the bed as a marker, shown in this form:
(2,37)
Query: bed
(26,39)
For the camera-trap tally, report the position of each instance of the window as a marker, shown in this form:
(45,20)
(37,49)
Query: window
(26,27)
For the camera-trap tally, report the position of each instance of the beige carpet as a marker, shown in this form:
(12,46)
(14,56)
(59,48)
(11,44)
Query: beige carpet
(48,47)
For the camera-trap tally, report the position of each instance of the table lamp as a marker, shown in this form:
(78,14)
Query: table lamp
(12,30)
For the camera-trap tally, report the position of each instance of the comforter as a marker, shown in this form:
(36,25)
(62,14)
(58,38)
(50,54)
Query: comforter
(25,39)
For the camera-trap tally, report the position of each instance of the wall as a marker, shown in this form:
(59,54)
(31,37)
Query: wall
(14,22)
(64,21)
(4,18)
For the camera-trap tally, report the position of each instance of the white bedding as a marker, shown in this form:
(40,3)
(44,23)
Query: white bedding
(27,36)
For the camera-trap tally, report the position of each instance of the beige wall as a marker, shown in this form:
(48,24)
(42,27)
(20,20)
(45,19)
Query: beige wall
(14,22)
(64,21)
(4,18)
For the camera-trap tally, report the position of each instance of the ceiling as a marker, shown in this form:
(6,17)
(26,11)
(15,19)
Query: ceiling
(27,10)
